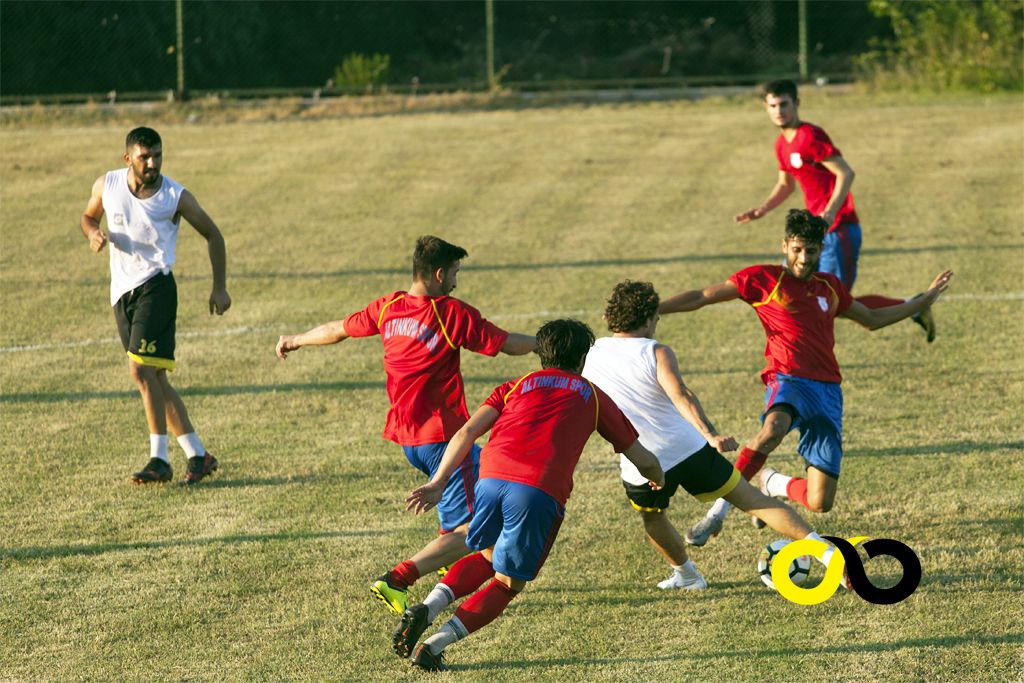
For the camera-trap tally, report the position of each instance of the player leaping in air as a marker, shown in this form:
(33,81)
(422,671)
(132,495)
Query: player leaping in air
(797,307)
(806,154)
(423,331)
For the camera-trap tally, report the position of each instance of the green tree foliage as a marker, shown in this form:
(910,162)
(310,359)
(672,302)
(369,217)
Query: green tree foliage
(358,70)
(942,45)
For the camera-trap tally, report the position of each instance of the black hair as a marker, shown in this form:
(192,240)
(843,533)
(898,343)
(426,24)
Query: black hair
(143,137)
(562,344)
(631,306)
(433,253)
(779,87)
(804,225)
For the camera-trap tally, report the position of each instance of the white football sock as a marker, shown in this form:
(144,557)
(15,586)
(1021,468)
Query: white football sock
(158,447)
(452,631)
(720,509)
(440,597)
(827,555)
(191,444)
(777,484)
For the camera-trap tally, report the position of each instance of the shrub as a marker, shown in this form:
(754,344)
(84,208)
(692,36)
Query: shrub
(358,70)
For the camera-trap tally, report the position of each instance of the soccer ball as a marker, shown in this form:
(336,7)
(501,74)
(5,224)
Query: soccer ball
(798,569)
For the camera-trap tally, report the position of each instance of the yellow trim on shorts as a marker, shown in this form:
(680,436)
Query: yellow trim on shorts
(728,486)
(641,508)
(441,323)
(159,363)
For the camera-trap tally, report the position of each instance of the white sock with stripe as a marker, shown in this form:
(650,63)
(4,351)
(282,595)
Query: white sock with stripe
(440,597)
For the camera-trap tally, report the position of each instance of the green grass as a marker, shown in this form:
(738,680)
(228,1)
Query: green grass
(262,573)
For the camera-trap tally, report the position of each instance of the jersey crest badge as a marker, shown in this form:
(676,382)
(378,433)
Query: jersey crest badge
(795,160)
(823,303)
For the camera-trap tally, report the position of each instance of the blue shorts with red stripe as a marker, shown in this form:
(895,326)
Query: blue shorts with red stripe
(819,417)
(520,521)
(457,502)
(840,251)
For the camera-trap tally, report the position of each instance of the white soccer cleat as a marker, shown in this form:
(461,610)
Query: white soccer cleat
(677,580)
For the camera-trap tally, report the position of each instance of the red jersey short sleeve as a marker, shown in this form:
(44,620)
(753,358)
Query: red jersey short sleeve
(422,337)
(801,157)
(546,419)
(798,317)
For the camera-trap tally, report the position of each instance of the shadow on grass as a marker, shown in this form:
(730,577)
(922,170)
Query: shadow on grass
(36,552)
(940,642)
(956,447)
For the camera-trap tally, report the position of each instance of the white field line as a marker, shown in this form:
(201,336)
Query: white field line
(510,316)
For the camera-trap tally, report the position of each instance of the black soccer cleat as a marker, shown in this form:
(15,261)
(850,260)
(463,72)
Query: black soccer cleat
(424,659)
(410,628)
(199,467)
(155,471)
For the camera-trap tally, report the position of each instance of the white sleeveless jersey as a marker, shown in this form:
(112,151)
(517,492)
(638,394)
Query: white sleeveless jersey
(143,232)
(625,368)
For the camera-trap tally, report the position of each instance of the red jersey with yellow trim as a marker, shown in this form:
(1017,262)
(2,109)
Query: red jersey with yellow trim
(802,159)
(798,318)
(422,336)
(546,419)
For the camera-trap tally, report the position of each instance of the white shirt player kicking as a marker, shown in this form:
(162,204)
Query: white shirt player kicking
(144,209)
(642,377)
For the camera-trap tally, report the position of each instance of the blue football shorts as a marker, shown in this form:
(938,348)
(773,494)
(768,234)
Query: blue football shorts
(840,251)
(520,521)
(819,417)
(457,501)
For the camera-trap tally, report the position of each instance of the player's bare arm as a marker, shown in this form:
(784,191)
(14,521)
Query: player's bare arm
(874,319)
(686,402)
(519,344)
(844,181)
(189,209)
(328,333)
(698,298)
(646,464)
(90,221)
(783,188)
(429,495)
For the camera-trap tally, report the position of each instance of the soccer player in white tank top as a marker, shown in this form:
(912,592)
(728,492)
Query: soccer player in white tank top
(143,222)
(642,377)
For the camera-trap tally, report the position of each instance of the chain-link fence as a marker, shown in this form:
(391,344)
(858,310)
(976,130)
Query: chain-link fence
(51,48)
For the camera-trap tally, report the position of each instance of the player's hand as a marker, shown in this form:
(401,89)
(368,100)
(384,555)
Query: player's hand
(829,217)
(723,444)
(749,215)
(425,497)
(285,345)
(220,301)
(938,286)
(97,241)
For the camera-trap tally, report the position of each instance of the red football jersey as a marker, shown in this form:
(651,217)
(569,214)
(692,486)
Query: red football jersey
(802,159)
(546,419)
(798,318)
(422,336)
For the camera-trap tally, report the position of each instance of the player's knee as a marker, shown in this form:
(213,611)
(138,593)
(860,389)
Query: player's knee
(818,503)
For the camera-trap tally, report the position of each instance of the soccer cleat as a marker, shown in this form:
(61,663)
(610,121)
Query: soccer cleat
(926,321)
(847,584)
(702,531)
(424,659)
(156,470)
(199,467)
(677,580)
(397,599)
(410,628)
(443,571)
(757,522)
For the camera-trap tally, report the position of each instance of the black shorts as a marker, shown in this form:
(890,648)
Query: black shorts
(145,320)
(705,475)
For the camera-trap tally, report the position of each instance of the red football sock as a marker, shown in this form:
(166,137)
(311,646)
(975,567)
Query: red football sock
(796,491)
(874,301)
(467,575)
(404,575)
(750,463)
(485,606)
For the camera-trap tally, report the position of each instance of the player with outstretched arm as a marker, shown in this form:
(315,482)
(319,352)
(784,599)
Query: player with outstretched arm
(797,306)
(423,331)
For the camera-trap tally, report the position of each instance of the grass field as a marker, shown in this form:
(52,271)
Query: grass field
(262,573)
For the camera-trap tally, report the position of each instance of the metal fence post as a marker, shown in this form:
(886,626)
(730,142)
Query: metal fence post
(802,58)
(181,51)
(489,4)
